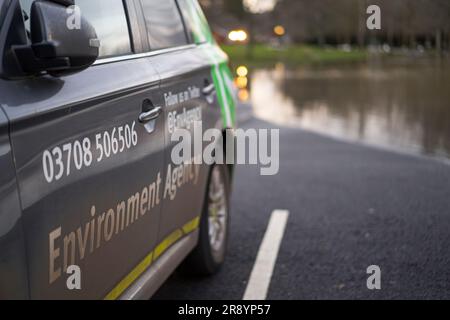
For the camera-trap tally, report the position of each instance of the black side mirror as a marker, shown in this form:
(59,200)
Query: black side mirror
(55,48)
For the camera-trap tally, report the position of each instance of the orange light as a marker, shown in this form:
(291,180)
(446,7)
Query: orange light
(243,95)
(241,82)
(279,31)
(242,71)
(238,36)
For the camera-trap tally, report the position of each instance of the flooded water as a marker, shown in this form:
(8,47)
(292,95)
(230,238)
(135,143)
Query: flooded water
(401,104)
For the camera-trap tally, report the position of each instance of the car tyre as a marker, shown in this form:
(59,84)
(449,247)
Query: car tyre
(209,255)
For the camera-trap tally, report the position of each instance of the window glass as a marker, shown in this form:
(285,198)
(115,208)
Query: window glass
(164,24)
(194,24)
(26,8)
(109,20)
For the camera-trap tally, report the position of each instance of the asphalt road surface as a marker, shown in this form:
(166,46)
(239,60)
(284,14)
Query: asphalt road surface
(351,206)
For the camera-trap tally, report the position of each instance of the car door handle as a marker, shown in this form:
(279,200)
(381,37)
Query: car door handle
(150,115)
(209,90)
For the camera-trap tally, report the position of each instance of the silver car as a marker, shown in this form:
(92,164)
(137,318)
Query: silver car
(91,92)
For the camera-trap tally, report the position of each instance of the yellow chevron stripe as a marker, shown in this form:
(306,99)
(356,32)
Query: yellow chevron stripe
(137,271)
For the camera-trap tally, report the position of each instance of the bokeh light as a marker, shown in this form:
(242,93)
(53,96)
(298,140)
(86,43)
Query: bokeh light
(241,82)
(279,30)
(242,71)
(238,36)
(244,95)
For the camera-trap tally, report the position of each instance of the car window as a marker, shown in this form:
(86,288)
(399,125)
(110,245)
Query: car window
(193,21)
(109,20)
(26,8)
(164,24)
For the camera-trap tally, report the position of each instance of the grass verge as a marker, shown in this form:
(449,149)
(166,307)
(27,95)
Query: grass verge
(261,54)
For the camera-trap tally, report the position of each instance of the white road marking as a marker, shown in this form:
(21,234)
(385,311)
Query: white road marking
(258,284)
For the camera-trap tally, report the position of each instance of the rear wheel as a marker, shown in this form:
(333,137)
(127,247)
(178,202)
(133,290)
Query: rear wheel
(209,255)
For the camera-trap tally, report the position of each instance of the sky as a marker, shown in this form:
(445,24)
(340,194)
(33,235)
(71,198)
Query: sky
(259,6)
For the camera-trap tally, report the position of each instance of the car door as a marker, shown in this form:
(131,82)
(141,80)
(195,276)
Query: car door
(89,152)
(187,94)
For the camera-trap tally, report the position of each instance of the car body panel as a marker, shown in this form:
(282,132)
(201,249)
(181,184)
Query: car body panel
(13,267)
(46,113)
(181,72)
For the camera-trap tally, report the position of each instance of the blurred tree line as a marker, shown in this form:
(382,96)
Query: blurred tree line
(404,22)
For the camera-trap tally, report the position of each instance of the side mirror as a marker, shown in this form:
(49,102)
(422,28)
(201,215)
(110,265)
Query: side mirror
(55,48)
